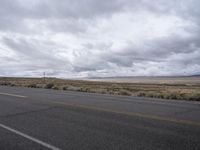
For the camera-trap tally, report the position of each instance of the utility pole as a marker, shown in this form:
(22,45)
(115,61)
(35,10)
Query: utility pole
(44,77)
(5,80)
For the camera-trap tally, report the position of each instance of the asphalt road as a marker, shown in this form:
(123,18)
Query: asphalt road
(46,119)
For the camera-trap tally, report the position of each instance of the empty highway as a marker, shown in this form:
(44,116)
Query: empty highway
(41,119)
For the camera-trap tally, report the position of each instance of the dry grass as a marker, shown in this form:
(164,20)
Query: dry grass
(180,91)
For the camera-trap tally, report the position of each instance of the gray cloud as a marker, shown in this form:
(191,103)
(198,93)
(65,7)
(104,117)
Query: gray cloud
(60,15)
(99,38)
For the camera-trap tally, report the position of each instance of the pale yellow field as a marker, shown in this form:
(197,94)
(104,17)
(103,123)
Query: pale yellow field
(179,88)
(153,80)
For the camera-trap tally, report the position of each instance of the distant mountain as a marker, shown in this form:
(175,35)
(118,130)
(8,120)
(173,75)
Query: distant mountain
(129,77)
(197,75)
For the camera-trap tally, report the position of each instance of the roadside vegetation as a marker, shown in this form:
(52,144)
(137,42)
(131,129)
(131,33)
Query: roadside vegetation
(158,90)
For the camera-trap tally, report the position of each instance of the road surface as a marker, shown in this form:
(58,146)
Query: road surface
(41,119)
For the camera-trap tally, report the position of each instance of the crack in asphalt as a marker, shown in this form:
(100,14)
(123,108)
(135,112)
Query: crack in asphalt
(186,111)
(28,112)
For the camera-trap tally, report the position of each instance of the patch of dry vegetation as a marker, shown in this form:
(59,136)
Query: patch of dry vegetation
(166,91)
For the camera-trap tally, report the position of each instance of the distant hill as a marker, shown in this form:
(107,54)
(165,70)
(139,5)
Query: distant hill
(135,77)
(197,75)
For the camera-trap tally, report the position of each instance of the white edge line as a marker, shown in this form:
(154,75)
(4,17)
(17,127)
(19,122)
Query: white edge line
(29,137)
(15,95)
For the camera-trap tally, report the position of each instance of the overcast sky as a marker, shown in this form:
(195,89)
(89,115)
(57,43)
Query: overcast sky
(83,38)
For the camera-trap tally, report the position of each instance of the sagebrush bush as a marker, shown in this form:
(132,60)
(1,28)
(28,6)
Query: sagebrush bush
(55,88)
(64,88)
(125,92)
(49,86)
(32,86)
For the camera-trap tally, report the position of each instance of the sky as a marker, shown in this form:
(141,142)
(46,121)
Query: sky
(99,38)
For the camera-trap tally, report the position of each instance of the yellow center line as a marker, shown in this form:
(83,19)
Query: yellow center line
(133,114)
(14,95)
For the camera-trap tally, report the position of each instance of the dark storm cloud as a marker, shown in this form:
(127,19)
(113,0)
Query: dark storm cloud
(60,14)
(16,11)
(67,15)
(57,9)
